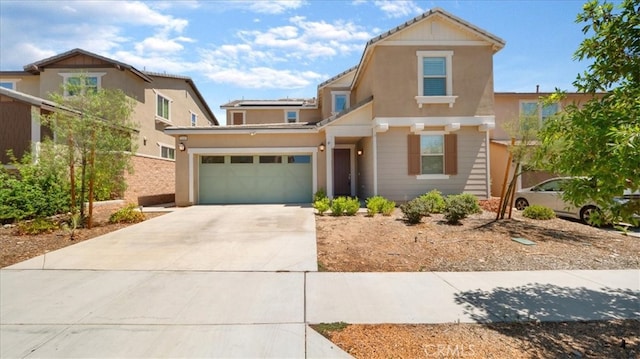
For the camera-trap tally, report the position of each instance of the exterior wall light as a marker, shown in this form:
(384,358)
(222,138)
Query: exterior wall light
(360,152)
(182,147)
(321,147)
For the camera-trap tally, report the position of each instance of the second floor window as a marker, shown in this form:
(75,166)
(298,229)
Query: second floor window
(11,85)
(163,107)
(291,116)
(194,119)
(78,83)
(434,81)
(537,109)
(340,101)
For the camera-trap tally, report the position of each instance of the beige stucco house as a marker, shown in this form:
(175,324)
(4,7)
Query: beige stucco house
(413,115)
(161,100)
(509,108)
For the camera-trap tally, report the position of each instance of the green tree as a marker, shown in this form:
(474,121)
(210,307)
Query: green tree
(99,135)
(600,141)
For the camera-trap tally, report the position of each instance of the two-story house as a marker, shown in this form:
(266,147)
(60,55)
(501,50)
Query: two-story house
(161,100)
(510,107)
(413,115)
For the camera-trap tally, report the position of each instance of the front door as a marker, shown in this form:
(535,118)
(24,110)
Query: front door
(342,172)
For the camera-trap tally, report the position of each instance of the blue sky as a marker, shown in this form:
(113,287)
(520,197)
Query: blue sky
(278,49)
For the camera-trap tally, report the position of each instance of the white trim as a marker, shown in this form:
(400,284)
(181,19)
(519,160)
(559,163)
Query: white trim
(432,176)
(349,131)
(191,114)
(192,152)
(488,159)
(347,103)
(35,131)
(427,176)
(448,98)
(13,82)
(162,144)
(67,75)
(329,140)
(434,43)
(374,145)
(284,107)
(244,116)
(452,127)
(224,130)
(434,121)
(157,117)
(286,119)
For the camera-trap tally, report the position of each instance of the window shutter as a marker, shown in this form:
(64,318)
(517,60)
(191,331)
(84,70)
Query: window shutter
(414,154)
(451,154)
(238,118)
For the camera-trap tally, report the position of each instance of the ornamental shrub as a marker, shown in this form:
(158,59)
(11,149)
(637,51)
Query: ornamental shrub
(459,206)
(36,226)
(128,214)
(319,195)
(321,205)
(351,206)
(379,204)
(413,210)
(433,202)
(338,206)
(539,212)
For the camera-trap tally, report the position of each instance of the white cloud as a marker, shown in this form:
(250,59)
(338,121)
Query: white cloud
(398,8)
(273,6)
(265,77)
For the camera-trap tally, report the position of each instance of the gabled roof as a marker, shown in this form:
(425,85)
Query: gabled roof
(193,85)
(281,103)
(340,115)
(36,67)
(338,76)
(496,41)
(33,100)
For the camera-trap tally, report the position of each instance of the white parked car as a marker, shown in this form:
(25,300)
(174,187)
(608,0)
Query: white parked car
(549,194)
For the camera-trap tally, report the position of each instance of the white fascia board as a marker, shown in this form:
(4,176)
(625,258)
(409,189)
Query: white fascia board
(435,121)
(200,131)
(354,131)
(252,150)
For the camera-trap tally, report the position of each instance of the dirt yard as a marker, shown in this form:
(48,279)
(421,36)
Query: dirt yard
(388,244)
(17,248)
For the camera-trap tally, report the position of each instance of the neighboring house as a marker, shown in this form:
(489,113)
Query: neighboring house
(412,116)
(161,100)
(509,108)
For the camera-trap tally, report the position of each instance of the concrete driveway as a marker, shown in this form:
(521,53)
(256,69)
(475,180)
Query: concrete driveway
(218,238)
(201,282)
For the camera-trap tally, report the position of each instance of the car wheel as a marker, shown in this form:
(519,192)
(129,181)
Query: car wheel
(586,213)
(521,204)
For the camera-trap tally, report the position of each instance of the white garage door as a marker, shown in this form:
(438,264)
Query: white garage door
(255,179)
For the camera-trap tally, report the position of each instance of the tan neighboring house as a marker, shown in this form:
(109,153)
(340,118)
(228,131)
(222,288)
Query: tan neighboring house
(413,115)
(509,107)
(161,100)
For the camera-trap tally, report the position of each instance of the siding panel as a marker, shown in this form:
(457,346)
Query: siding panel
(396,184)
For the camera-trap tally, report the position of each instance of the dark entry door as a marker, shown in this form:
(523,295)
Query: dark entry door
(342,172)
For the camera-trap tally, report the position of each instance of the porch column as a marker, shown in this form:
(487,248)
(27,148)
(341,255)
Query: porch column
(330,141)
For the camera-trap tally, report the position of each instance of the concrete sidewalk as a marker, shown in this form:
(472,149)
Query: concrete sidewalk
(470,297)
(79,313)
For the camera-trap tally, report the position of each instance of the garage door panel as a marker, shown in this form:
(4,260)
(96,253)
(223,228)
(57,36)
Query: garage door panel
(273,182)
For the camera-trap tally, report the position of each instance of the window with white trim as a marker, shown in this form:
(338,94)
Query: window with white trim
(163,107)
(75,83)
(291,116)
(538,109)
(435,77)
(237,117)
(339,101)
(194,119)
(11,85)
(167,152)
(432,154)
